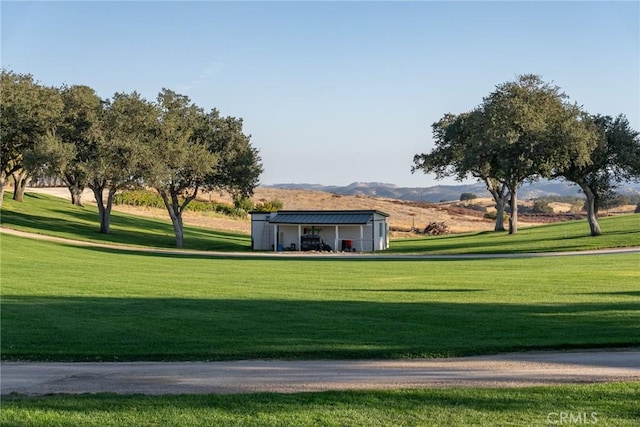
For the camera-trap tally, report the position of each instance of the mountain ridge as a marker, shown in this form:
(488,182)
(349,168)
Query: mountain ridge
(442,193)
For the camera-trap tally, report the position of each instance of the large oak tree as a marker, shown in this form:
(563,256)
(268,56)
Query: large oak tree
(460,153)
(71,150)
(179,159)
(614,159)
(29,113)
(521,131)
(129,124)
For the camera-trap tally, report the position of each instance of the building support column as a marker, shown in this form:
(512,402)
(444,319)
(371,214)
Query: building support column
(373,235)
(361,238)
(299,237)
(275,238)
(335,247)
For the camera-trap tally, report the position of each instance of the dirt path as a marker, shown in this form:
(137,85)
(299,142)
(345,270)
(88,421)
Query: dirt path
(250,376)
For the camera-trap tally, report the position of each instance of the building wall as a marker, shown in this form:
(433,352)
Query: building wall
(261,232)
(373,237)
(380,232)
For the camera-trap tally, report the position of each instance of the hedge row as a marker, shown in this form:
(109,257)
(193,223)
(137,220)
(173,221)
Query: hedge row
(149,199)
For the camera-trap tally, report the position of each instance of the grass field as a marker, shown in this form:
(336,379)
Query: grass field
(601,404)
(62,302)
(618,231)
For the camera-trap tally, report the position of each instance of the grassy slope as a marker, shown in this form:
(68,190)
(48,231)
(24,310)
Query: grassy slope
(618,231)
(55,216)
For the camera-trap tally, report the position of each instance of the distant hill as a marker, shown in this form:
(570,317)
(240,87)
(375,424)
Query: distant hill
(441,193)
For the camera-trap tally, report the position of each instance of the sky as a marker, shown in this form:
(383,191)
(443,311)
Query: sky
(332,92)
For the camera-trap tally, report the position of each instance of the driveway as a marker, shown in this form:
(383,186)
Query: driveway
(251,376)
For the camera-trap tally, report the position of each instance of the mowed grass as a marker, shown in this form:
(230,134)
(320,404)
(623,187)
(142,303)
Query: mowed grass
(55,216)
(600,404)
(617,231)
(62,302)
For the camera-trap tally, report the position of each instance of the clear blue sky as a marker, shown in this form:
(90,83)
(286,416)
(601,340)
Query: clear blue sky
(333,92)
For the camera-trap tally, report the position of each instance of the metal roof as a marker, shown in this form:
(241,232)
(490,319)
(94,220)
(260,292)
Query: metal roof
(323,217)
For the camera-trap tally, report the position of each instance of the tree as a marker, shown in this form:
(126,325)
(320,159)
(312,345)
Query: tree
(520,132)
(118,159)
(529,127)
(459,153)
(81,129)
(179,161)
(239,165)
(68,153)
(614,158)
(29,112)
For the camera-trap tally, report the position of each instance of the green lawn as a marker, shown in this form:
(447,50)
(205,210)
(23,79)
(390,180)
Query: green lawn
(618,231)
(600,404)
(62,302)
(54,216)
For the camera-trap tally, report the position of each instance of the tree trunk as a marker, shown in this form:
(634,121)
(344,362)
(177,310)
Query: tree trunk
(500,215)
(3,180)
(592,214)
(104,211)
(513,205)
(76,194)
(175,214)
(20,180)
(497,191)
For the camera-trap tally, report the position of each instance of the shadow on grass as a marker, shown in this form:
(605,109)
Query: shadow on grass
(116,329)
(419,290)
(621,293)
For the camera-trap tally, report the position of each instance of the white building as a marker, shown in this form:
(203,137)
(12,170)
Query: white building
(356,231)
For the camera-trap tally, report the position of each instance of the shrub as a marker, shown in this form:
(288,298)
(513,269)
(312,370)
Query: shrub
(142,198)
(541,206)
(244,204)
(149,199)
(272,205)
(467,196)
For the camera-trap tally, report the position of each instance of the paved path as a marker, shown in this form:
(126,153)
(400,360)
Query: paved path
(308,255)
(154,378)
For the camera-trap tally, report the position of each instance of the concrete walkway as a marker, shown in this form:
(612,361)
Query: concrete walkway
(155,378)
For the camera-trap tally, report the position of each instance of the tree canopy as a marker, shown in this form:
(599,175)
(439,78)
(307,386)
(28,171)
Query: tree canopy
(614,159)
(29,113)
(170,145)
(524,130)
